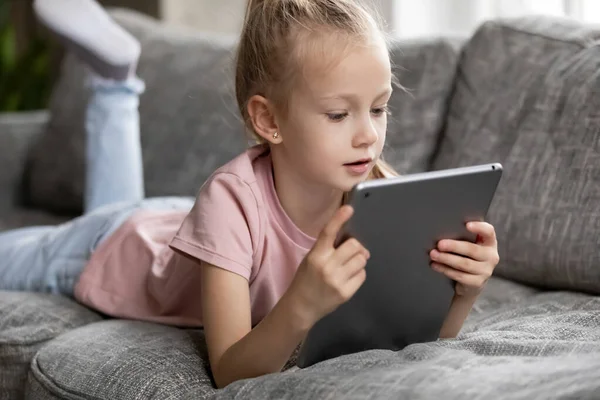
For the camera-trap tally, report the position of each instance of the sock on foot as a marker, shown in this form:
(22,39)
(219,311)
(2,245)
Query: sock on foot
(86,29)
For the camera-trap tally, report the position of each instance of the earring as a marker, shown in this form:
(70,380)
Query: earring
(275,135)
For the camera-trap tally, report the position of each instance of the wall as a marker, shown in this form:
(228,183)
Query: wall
(225,16)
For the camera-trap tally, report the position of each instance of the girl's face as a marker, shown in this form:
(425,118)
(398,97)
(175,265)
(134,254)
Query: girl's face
(336,123)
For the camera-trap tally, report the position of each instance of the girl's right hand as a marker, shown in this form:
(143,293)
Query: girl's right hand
(328,276)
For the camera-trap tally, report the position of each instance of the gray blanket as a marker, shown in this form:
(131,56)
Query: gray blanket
(518,343)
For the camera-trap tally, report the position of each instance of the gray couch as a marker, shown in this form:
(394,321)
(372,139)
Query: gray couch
(523,92)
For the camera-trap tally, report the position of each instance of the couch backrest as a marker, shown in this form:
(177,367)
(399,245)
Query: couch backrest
(18,131)
(527,94)
(189,121)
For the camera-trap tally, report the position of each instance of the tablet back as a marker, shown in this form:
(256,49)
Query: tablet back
(399,221)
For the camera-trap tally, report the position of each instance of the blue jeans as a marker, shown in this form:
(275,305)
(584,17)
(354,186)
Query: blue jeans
(51,258)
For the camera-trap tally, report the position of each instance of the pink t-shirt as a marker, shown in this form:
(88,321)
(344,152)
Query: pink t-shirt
(236,223)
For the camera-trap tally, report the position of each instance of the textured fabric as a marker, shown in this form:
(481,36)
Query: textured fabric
(544,347)
(116,360)
(189,119)
(18,131)
(518,342)
(425,70)
(27,322)
(527,96)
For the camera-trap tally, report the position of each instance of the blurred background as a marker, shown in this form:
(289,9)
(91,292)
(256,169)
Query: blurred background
(28,60)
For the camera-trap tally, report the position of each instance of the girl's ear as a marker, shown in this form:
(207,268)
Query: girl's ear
(262,116)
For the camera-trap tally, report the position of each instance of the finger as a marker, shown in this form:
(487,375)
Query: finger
(329,233)
(454,261)
(347,250)
(354,265)
(464,248)
(354,283)
(465,279)
(485,230)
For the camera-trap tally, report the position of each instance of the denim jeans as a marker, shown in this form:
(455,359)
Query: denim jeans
(51,258)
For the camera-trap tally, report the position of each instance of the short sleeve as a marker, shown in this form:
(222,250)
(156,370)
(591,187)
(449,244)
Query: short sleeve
(222,226)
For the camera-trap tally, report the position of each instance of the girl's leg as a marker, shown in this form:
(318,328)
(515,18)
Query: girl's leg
(50,259)
(113,154)
(114,171)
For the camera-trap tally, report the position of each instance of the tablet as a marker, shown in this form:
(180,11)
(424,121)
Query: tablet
(400,220)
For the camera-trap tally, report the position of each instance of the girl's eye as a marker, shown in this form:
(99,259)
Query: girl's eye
(337,117)
(380,111)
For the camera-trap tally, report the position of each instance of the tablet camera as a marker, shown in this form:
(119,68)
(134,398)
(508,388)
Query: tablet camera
(367,194)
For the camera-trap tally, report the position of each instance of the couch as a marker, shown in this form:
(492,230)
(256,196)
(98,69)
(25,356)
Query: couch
(524,92)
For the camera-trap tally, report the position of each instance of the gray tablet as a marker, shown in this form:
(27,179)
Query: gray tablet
(399,220)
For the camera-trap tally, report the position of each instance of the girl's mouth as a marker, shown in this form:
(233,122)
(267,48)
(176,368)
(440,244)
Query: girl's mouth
(358,167)
(359,162)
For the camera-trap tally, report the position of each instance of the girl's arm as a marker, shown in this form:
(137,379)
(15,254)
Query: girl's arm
(459,310)
(470,265)
(236,351)
(326,278)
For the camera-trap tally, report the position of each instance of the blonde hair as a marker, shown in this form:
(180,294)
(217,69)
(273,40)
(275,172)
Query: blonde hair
(270,49)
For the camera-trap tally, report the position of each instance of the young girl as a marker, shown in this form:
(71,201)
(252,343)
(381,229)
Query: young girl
(253,261)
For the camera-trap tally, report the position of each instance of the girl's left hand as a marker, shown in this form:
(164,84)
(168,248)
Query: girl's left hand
(469,264)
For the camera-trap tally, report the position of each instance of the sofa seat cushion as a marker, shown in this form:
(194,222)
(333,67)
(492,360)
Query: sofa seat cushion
(518,341)
(121,359)
(540,345)
(527,96)
(27,322)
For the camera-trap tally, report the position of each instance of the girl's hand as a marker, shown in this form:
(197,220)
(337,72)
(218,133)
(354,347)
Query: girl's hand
(472,264)
(328,277)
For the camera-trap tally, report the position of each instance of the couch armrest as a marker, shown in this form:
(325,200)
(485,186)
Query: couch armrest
(17,133)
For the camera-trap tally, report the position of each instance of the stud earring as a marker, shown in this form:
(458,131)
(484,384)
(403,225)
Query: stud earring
(275,135)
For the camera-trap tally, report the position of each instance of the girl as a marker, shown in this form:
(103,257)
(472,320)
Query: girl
(253,260)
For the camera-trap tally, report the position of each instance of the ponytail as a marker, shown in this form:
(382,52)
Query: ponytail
(251,5)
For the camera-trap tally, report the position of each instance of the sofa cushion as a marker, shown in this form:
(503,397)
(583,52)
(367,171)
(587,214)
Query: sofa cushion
(539,345)
(189,120)
(515,341)
(119,359)
(527,96)
(18,131)
(27,322)
(424,69)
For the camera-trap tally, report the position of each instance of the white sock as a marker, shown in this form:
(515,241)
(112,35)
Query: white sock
(87,30)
